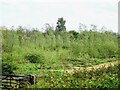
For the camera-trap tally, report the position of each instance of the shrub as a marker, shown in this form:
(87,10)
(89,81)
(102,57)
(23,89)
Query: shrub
(8,65)
(34,58)
(8,68)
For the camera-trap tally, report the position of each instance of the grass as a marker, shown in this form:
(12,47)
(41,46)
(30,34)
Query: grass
(55,60)
(104,78)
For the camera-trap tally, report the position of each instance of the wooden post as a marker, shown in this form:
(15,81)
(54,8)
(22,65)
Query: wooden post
(10,81)
(32,79)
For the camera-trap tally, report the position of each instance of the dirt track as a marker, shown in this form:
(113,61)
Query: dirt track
(104,65)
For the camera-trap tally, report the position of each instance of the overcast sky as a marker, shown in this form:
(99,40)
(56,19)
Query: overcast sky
(35,13)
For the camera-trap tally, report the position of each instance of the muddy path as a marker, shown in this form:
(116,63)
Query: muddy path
(95,67)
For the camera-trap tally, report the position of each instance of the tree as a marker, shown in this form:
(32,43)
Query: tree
(20,30)
(49,29)
(103,29)
(82,27)
(60,25)
(93,27)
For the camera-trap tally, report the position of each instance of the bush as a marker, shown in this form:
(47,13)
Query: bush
(8,65)
(8,68)
(34,58)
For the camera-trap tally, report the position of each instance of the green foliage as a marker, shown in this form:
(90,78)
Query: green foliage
(8,66)
(34,58)
(59,49)
(74,35)
(60,25)
(93,43)
(28,51)
(96,79)
(28,68)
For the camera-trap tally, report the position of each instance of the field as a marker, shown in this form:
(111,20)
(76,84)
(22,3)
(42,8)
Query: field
(51,55)
(101,78)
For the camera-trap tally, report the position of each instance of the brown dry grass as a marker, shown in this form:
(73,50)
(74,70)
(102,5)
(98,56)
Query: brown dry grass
(95,67)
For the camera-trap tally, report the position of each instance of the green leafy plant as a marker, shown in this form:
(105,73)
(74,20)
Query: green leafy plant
(34,58)
(61,25)
(8,65)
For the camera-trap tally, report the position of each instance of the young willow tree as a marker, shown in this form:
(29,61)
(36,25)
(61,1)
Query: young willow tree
(60,25)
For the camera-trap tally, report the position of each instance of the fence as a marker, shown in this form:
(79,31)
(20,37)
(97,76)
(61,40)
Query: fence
(17,81)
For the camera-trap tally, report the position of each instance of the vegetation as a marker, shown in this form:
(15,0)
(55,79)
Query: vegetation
(60,25)
(30,51)
(100,79)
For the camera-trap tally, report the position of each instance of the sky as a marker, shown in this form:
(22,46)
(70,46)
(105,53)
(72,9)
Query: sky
(35,13)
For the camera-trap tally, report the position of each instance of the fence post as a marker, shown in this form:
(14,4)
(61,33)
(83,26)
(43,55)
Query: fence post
(10,81)
(32,79)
